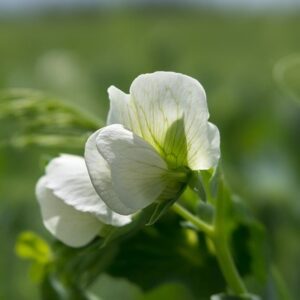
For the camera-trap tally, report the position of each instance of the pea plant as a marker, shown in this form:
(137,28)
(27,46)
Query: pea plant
(146,200)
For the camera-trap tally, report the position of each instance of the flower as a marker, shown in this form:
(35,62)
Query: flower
(156,135)
(71,209)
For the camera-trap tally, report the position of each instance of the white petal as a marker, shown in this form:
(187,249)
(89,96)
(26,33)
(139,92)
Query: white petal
(168,110)
(136,170)
(211,153)
(72,227)
(68,178)
(118,111)
(100,176)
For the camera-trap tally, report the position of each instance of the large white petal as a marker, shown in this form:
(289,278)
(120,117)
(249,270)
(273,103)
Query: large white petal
(72,227)
(100,176)
(68,178)
(137,172)
(168,110)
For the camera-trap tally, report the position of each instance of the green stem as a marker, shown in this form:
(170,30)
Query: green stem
(199,224)
(223,253)
(228,268)
(217,234)
(282,288)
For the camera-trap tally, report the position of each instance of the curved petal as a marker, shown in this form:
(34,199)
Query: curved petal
(211,153)
(119,112)
(68,178)
(72,227)
(169,111)
(136,170)
(100,176)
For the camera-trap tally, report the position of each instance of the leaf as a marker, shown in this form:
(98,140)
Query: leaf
(81,266)
(108,287)
(118,234)
(249,242)
(247,235)
(168,253)
(48,140)
(37,119)
(52,288)
(168,291)
(31,247)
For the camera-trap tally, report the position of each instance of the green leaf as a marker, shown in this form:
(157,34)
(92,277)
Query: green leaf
(52,288)
(30,246)
(168,253)
(108,287)
(168,291)
(247,235)
(249,242)
(81,266)
(37,119)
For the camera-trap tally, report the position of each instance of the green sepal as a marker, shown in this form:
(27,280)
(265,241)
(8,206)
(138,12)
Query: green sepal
(197,185)
(159,208)
(117,234)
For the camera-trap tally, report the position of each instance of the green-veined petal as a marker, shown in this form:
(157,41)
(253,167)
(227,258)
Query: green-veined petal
(169,111)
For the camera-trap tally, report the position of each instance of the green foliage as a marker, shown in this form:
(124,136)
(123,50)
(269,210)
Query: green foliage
(259,124)
(31,247)
(248,236)
(226,297)
(38,119)
(249,242)
(167,252)
(162,206)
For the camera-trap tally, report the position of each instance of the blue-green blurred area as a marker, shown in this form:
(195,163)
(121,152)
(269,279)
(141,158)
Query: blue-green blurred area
(249,67)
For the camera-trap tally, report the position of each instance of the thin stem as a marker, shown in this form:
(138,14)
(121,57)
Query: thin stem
(199,224)
(282,288)
(228,268)
(223,253)
(219,237)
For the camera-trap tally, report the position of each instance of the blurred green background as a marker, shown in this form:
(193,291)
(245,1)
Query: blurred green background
(249,67)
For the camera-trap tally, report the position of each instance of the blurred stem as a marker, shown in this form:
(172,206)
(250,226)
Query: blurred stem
(283,290)
(217,234)
(223,253)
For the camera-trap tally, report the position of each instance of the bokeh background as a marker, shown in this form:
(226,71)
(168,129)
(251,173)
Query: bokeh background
(246,55)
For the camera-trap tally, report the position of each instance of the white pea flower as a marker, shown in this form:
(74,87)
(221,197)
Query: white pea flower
(71,209)
(155,136)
